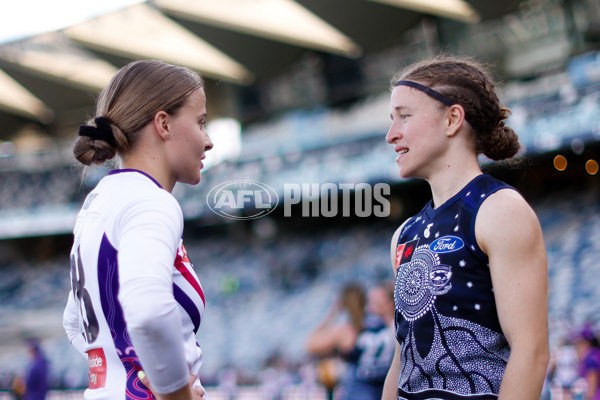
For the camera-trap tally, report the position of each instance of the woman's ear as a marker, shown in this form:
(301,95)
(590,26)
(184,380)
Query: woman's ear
(161,124)
(456,117)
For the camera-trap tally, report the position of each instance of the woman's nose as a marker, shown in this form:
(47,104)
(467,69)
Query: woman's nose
(392,134)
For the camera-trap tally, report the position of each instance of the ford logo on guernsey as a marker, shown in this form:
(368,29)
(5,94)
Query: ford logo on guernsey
(446,244)
(242,200)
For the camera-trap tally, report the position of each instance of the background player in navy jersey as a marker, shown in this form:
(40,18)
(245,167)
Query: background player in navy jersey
(136,302)
(471,269)
(364,340)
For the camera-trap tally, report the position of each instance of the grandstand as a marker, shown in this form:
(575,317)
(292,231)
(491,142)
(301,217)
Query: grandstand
(267,281)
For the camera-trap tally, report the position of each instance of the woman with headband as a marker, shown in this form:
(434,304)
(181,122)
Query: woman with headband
(471,268)
(136,302)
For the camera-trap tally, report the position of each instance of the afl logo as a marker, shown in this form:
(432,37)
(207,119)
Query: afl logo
(446,244)
(229,199)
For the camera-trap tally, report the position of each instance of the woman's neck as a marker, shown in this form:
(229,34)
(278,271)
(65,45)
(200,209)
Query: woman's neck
(451,180)
(150,166)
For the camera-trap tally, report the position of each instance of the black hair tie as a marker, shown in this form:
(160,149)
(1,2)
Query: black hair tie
(102,131)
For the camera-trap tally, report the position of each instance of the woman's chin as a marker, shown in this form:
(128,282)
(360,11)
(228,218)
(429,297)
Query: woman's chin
(404,173)
(192,180)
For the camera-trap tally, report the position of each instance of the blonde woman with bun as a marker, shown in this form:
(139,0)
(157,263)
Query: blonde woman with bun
(136,302)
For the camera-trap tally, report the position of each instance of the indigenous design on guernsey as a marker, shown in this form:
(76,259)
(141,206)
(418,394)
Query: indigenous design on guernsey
(446,318)
(186,289)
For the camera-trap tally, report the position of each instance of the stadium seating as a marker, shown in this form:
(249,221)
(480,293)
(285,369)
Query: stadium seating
(261,299)
(264,297)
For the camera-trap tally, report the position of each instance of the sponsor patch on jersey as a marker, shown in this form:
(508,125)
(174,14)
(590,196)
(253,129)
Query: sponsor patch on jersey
(446,244)
(96,368)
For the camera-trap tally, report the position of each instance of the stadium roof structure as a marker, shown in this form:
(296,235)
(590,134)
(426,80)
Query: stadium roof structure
(51,79)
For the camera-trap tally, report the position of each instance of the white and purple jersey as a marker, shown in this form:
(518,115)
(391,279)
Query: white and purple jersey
(135,301)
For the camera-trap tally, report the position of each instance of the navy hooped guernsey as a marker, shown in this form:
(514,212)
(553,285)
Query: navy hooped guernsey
(446,317)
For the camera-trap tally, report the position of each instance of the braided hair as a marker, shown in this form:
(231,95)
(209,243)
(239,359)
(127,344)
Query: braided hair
(468,83)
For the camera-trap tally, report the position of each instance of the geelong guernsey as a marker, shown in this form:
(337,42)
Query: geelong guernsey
(136,302)
(446,318)
(368,363)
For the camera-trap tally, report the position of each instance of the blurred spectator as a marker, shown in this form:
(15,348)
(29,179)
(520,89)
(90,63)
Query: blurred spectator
(275,376)
(564,368)
(308,375)
(328,372)
(228,382)
(588,350)
(18,387)
(36,383)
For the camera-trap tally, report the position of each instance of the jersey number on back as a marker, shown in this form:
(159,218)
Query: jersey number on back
(83,299)
(377,353)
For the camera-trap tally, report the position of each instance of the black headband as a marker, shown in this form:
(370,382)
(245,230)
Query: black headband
(102,131)
(435,94)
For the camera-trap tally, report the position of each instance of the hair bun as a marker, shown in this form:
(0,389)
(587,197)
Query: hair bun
(102,131)
(89,151)
(502,143)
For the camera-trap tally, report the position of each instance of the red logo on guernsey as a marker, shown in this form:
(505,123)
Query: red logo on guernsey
(97,368)
(182,254)
(405,251)
(180,260)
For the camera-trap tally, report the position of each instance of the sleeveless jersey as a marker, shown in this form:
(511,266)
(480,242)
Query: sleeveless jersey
(368,363)
(446,317)
(135,298)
